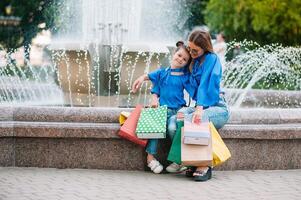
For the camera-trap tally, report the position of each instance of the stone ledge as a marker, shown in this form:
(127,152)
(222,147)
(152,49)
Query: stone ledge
(89,145)
(110,130)
(61,114)
(110,115)
(59,130)
(261,131)
(264,116)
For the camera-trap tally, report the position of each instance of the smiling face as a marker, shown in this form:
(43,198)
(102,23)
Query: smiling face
(199,42)
(180,58)
(195,51)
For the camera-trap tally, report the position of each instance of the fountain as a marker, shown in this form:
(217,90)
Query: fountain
(109,51)
(97,56)
(274,70)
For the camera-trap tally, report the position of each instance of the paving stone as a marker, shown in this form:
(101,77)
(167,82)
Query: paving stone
(87,184)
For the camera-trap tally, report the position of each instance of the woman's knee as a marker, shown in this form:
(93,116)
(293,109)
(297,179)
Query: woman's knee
(186,110)
(219,117)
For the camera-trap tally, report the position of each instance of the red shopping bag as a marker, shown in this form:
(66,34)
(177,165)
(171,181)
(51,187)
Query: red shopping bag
(128,129)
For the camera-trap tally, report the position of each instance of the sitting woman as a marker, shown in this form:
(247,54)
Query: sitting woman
(206,73)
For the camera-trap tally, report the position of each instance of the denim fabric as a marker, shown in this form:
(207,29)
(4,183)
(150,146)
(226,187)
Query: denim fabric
(152,144)
(218,114)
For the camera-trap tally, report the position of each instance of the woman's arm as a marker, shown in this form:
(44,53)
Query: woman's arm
(209,85)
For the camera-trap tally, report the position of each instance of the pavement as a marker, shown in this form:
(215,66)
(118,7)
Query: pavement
(91,184)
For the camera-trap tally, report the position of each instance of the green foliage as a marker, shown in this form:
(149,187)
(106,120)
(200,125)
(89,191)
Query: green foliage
(32,13)
(265,21)
(197,9)
(280,20)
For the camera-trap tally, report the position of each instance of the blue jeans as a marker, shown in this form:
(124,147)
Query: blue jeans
(152,144)
(217,114)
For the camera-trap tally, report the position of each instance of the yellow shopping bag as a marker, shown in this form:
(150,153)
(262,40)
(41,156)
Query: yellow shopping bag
(221,152)
(123,116)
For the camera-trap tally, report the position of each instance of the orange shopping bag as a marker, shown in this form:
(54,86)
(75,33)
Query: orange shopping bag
(128,129)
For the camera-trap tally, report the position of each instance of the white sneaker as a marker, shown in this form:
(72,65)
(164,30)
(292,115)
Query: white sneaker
(155,166)
(175,168)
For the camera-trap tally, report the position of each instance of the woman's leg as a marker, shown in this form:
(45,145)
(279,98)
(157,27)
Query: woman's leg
(187,111)
(218,115)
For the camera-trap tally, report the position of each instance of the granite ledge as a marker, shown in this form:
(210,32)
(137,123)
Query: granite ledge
(261,131)
(110,130)
(67,114)
(60,130)
(110,115)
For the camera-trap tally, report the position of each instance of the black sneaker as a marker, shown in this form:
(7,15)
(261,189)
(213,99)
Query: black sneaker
(203,176)
(190,171)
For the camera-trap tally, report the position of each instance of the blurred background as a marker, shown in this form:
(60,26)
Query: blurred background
(87,53)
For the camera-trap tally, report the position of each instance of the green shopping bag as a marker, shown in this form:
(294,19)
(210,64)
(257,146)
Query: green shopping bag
(175,149)
(152,123)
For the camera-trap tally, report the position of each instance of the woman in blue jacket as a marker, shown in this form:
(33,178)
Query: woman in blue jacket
(206,73)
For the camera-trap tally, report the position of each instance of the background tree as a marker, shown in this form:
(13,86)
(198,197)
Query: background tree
(265,21)
(279,20)
(197,9)
(35,16)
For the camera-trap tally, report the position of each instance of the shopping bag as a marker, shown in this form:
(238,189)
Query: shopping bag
(128,129)
(152,123)
(174,154)
(220,151)
(123,116)
(196,155)
(197,134)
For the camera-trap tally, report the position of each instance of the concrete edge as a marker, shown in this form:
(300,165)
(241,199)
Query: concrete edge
(110,130)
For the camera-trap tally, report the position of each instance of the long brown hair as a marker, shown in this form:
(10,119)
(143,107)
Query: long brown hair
(202,39)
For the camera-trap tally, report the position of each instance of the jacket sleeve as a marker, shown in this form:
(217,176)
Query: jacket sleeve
(154,76)
(156,89)
(209,86)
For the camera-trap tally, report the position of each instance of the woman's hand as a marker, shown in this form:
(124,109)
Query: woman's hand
(138,82)
(197,115)
(155,101)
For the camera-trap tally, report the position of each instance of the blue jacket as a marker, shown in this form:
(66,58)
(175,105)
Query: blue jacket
(170,88)
(206,78)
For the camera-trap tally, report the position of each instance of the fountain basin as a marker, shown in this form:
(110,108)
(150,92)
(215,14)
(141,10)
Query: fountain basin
(89,70)
(264,98)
